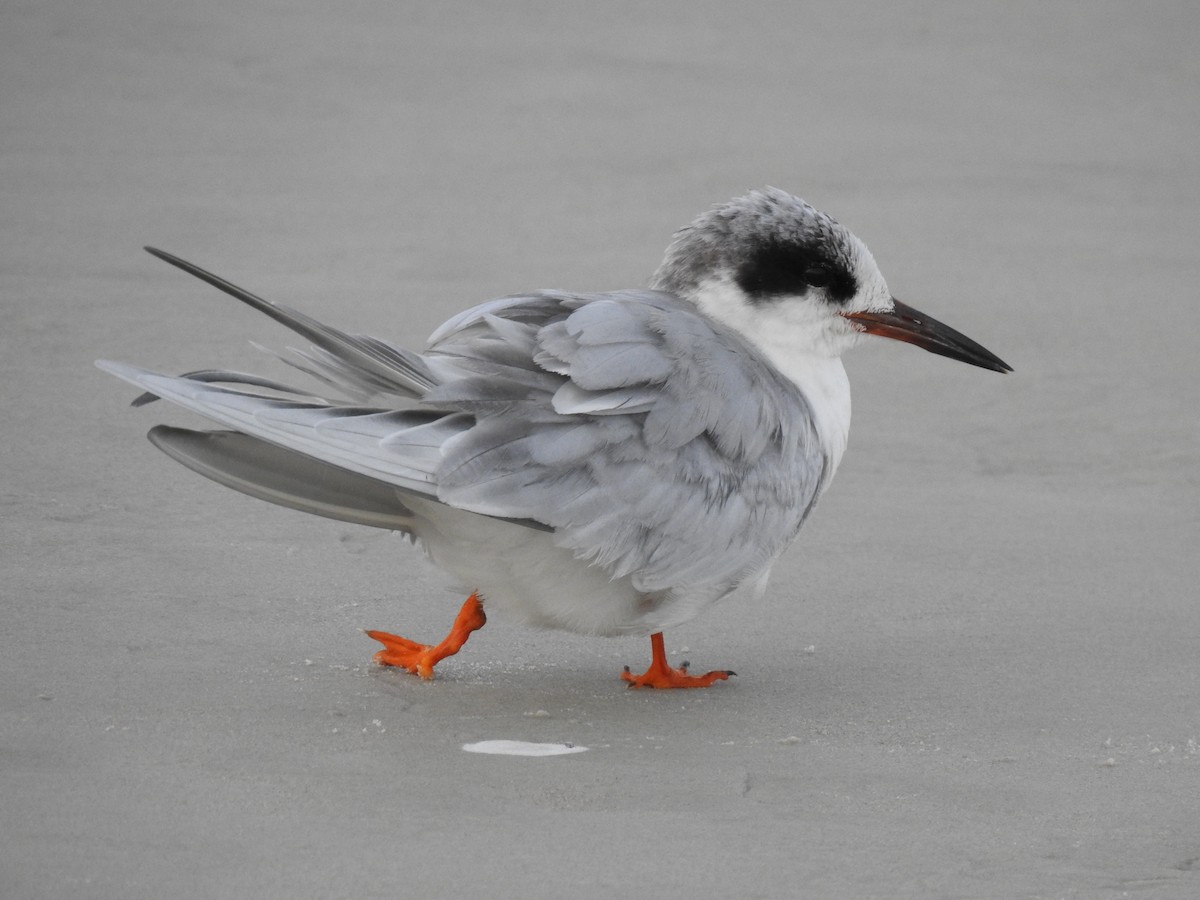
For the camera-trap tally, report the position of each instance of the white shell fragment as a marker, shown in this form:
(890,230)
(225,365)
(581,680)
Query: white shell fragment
(522,748)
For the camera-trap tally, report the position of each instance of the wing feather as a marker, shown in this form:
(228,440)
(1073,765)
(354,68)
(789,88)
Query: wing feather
(655,442)
(686,458)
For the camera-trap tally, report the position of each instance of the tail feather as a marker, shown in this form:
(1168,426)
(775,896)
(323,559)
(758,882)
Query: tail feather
(349,437)
(286,478)
(228,376)
(378,365)
(269,472)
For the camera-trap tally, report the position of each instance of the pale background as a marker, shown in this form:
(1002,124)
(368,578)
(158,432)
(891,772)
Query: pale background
(976,675)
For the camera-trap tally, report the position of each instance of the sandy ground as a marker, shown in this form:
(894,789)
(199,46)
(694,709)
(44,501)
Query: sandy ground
(976,675)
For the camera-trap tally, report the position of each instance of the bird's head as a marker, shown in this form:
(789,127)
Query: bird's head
(782,273)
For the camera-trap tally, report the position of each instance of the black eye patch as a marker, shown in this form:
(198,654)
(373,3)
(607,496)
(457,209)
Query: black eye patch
(777,269)
(818,276)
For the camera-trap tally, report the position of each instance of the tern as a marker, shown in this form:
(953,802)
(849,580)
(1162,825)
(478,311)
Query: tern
(604,463)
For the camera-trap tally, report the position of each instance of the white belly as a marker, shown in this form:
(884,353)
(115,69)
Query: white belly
(524,576)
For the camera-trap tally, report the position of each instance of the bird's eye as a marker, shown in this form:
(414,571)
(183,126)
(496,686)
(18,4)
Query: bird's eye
(818,276)
(777,269)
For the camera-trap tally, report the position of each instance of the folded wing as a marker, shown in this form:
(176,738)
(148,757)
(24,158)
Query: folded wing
(654,442)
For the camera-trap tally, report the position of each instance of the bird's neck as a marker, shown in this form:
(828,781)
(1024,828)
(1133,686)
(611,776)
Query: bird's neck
(823,382)
(815,370)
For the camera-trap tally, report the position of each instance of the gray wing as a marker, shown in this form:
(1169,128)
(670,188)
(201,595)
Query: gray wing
(281,476)
(657,443)
(654,442)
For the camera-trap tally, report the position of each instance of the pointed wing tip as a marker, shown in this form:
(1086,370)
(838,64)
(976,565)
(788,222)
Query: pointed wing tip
(128,373)
(170,258)
(125,371)
(122,370)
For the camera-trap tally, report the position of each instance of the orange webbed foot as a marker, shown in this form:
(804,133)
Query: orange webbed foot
(421,658)
(662,675)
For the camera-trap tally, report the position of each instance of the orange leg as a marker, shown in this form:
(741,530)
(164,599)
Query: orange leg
(661,675)
(421,658)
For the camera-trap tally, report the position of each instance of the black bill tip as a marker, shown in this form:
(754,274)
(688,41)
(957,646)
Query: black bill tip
(903,323)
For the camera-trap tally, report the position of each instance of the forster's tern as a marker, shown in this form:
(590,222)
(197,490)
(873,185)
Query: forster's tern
(606,463)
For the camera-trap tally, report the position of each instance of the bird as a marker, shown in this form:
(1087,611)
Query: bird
(606,463)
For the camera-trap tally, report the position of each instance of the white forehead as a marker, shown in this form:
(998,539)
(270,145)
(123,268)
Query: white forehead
(873,292)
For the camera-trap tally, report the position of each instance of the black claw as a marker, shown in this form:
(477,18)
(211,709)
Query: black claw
(627,671)
(730,672)
(683,666)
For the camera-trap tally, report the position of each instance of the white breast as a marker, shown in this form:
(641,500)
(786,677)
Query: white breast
(823,381)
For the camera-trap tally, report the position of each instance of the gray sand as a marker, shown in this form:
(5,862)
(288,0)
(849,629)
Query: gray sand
(976,675)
